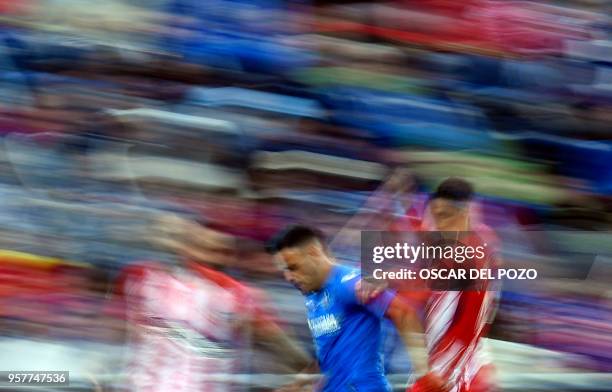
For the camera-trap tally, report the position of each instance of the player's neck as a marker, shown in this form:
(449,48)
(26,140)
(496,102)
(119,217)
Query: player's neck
(326,269)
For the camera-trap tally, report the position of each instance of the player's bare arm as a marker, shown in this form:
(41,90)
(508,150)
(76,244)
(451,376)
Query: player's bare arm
(278,342)
(281,344)
(411,330)
(399,182)
(305,381)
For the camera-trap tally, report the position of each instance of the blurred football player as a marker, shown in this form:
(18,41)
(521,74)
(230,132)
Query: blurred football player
(190,326)
(346,332)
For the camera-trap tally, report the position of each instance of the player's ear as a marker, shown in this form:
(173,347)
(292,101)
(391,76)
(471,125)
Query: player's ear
(278,261)
(314,249)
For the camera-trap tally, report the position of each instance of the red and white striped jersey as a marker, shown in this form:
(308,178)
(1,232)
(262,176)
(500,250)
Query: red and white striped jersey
(456,321)
(186,327)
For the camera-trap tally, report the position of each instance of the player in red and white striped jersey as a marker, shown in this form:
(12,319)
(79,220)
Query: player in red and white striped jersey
(456,321)
(189,326)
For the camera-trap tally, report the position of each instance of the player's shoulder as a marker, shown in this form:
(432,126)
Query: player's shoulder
(342,283)
(346,280)
(225,281)
(486,233)
(484,229)
(134,273)
(249,298)
(220,278)
(347,274)
(139,269)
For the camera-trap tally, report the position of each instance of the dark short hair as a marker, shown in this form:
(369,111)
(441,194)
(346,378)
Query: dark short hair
(292,236)
(454,189)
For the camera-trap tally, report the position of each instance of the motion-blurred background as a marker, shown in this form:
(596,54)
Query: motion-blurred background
(248,115)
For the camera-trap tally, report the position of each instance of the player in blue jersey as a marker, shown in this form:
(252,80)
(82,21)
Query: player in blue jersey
(346,329)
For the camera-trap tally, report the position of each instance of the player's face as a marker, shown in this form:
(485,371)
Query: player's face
(300,268)
(448,215)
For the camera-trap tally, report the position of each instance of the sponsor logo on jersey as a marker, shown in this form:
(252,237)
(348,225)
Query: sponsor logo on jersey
(324,325)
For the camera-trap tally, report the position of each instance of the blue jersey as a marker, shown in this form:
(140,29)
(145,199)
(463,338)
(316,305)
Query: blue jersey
(347,335)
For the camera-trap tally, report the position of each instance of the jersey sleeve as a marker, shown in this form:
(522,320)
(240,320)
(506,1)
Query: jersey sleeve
(254,305)
(377,306)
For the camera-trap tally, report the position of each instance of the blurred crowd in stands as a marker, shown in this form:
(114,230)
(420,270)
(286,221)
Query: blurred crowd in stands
(244,116)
